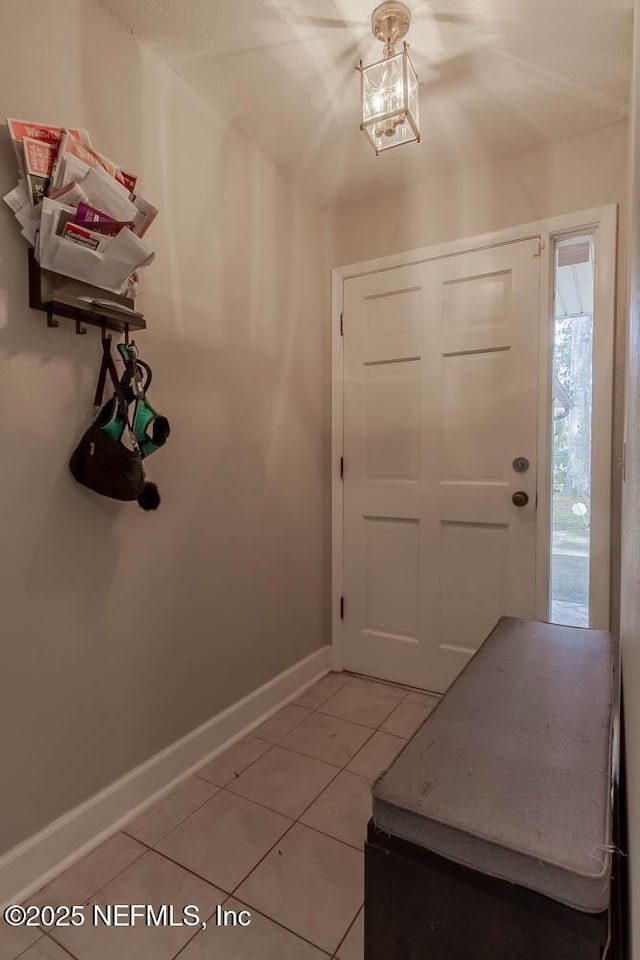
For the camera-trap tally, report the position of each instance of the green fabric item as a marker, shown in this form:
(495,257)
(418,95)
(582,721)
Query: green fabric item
(143,417)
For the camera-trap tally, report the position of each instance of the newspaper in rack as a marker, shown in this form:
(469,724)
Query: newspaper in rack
(75,158)
(39,157)
(145,216)
(19,129)
(105,193)
(72,194)
(17,198)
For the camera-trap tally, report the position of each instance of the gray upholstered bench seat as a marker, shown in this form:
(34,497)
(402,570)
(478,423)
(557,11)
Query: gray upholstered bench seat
(511,775)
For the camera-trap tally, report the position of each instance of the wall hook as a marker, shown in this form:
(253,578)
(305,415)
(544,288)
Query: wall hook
(80,330)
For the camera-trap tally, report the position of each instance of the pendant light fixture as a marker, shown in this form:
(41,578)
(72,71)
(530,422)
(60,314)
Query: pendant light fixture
(389,87)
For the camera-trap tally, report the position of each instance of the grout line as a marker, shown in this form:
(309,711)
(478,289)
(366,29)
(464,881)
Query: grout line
(115,875)
(236,776)
(190,870)
(396,703)
(349,929)
(389,683)
(186,817)
(194,935)
(299,753)
(60,945)
(278,923)
(29,947)
(280,743)
(254,733)
(296,820)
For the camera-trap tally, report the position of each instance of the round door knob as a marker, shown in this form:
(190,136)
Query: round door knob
(520,498)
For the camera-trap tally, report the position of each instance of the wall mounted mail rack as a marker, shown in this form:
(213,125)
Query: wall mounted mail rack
(84,221)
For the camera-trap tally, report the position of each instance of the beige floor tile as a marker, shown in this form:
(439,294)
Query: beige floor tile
(430,699)
(369,706)
(224,839)
(261,940)
(391,689)
(377,755)
(406,718)
(86,877)
(152,880)
(328,738)
(156,822)
(284,781)
(230,764)
(46,949)
(343,809)
(15,940)
(352,948)
(316,695)
(311,884)
(281,723)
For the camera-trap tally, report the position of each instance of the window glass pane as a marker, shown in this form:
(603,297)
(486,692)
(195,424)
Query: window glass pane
(571,444)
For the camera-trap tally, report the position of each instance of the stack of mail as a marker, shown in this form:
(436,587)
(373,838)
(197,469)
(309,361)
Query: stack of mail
(77,208)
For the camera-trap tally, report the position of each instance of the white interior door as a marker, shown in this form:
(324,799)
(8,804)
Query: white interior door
(440,399)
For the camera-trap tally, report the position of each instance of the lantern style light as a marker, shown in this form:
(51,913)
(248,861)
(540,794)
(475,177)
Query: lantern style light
(389,87)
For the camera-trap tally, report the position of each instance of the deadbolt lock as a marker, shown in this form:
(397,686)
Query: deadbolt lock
(520,464)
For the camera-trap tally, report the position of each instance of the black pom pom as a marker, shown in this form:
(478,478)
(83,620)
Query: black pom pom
(149,499)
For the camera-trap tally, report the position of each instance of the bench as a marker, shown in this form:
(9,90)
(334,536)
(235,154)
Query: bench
(491,833)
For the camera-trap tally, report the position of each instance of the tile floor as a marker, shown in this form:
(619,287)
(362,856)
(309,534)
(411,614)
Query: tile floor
(275,825)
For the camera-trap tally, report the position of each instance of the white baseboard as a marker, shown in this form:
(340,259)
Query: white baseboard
(37,860)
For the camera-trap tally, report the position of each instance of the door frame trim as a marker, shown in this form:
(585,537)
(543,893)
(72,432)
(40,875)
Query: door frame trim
(603,221)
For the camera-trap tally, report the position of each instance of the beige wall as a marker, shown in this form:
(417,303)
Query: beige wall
(630,599)
(570,175)
(120,630)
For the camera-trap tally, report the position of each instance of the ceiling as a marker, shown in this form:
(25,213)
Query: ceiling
(496,77)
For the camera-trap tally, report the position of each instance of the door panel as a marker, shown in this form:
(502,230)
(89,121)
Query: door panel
(392,577)
(467,582)
(440,396)
(392,419)
(473,438)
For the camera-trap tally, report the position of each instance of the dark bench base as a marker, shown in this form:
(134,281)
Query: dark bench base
(419,906)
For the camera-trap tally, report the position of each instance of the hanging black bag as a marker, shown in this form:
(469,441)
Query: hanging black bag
(101,461)
(106,466)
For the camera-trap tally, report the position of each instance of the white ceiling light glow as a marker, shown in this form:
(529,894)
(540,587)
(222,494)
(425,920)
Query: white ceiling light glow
(389,87)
